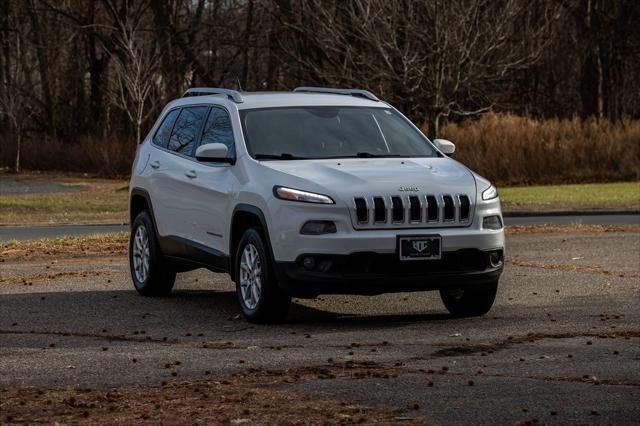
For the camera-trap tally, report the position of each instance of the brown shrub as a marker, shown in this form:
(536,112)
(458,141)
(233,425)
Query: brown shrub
(509,149)
(110,157)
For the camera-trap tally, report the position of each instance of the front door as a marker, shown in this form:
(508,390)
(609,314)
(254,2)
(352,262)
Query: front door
(212,188)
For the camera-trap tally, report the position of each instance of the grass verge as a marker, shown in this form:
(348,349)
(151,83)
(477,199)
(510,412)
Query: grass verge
(99,201)
(596,196)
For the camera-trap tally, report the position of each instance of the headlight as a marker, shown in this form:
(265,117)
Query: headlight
(490,193)
(291,194)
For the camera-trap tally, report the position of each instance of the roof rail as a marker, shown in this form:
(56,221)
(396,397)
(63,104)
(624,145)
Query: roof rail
(231,94)
(352,92)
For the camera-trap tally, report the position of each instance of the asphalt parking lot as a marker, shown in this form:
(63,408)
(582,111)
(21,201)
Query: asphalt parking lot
(561,345)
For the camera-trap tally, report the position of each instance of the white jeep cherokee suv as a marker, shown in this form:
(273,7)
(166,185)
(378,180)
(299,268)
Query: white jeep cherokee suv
(309,192)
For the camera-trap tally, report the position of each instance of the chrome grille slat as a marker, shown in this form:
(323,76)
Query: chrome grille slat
(440,203)
(409,211)
(370,211)
(406,209)
(465,207)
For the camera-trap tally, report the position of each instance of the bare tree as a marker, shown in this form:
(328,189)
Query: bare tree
(433,59)
(42,54)
(91,66)
(14,105)
(135,77)
(15,101)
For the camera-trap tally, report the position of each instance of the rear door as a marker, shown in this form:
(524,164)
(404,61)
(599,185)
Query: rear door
(173,180)
(156,170)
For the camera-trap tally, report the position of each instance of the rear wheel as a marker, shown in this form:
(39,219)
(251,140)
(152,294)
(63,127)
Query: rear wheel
(469,301)
(151,273)
(261,299)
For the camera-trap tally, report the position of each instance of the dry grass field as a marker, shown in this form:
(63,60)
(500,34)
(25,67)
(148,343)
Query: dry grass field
(514,150)
(585,197)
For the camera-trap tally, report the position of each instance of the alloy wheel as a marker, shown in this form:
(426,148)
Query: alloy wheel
(141,254)
(250,276)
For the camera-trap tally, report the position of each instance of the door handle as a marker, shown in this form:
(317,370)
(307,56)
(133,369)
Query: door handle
(155,164)
(191,174)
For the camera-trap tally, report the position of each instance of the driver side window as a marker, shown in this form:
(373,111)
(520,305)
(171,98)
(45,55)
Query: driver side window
(218,129)
(185,131)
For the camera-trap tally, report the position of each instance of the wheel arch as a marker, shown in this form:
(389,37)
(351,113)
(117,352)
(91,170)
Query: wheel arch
(140,200)
(246,216)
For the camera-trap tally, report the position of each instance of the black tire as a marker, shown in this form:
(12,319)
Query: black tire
(469,301)
(160,277)
(270,305)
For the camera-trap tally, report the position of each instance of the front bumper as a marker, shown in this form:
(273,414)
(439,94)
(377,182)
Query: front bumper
(372,273)
(288,244)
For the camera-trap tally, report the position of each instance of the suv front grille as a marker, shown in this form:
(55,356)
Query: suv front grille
(412,211)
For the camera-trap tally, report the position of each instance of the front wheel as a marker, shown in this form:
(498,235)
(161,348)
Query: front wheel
(469,301)
(261,299)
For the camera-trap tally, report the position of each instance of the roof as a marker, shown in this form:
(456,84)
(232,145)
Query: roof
(252,100)
(282,99)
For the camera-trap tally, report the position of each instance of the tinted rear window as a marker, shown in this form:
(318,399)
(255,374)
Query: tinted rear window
(161,138)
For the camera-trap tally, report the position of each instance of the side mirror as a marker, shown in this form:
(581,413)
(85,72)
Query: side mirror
(213,153)
(447,147)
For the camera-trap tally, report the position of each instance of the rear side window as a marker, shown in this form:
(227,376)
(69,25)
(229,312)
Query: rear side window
(218,130)
(161,138)
(185,131)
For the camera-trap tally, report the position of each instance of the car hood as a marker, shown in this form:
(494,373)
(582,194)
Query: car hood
(346,178)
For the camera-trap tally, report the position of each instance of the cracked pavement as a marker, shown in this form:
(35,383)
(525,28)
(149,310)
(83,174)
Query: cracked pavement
(561,344)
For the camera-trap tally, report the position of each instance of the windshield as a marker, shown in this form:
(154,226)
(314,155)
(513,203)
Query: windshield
(293,133)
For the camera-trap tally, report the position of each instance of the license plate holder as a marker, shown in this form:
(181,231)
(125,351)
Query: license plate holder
(419,247)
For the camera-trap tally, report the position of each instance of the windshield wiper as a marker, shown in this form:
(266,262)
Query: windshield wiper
(370,155)
(283,156)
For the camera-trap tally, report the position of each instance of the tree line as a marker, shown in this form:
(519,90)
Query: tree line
(104,68)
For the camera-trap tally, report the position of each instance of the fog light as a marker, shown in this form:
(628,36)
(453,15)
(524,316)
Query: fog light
(318,227)
(309,262)
(495,259)
(492,222)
